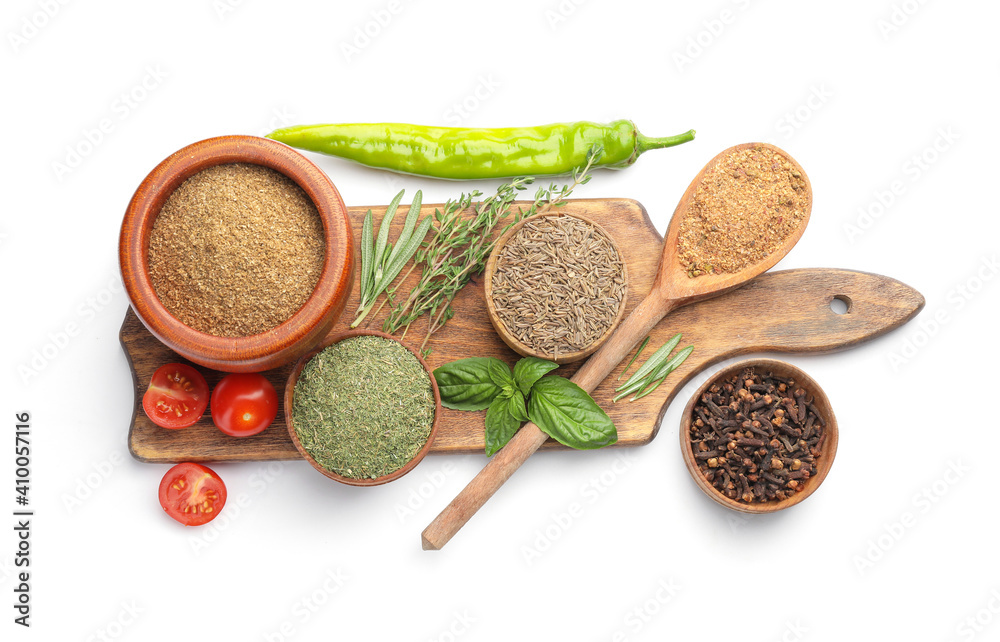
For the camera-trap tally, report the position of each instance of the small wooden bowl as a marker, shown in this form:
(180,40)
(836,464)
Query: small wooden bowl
(516,344)
(828,442)
(297,334)
(293,378)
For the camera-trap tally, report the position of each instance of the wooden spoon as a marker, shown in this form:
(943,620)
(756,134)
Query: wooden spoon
(671,288)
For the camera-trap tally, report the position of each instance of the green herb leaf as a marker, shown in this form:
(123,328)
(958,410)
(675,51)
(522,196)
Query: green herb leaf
(635,356)
(408,225)
(661,373)
(636,380)
(406,247)
(500,425)
(654,371)
(515,405)
(673,364)
(366,251)
(565,412)
(529,370)
(499,373)
(381,261)
(378,260)
(465,384)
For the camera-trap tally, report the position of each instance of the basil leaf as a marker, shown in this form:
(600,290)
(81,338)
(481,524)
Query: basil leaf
(499,372)
(515,406)
(500,425)
(465,384)
(529,370)
(565,412)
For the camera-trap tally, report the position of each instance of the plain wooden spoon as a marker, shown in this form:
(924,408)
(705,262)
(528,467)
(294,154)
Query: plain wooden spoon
(672,287)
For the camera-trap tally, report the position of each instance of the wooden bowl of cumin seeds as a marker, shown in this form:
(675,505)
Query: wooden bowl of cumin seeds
(237,253)
(556,286)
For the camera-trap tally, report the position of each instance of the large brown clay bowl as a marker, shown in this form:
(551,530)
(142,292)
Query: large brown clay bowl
(289,400)
(281,344)
(827,444)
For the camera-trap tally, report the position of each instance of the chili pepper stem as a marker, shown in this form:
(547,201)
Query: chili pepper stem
(645,143)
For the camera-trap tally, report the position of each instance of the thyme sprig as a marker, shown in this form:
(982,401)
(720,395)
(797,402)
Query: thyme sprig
(460,244)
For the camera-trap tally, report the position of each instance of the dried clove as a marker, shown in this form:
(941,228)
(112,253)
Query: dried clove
(757,437)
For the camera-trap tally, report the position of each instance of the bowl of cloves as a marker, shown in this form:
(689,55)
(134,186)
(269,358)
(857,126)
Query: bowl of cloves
(759,436)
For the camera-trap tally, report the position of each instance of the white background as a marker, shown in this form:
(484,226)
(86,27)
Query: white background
(893,546)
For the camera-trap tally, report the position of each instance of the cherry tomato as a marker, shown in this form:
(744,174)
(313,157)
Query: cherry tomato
(177,396)
(192,494)
(244,404)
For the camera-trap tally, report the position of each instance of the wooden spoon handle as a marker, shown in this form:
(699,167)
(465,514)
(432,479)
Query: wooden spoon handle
(633,329)
(529,438)
(481,488)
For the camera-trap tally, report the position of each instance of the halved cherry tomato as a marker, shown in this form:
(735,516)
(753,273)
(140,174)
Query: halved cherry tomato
(244,404)
(192,494)
(177,396)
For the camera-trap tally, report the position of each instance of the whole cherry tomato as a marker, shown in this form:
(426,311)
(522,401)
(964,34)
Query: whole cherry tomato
(244,404)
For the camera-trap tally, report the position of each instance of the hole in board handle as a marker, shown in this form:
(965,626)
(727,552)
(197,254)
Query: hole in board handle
(841,304)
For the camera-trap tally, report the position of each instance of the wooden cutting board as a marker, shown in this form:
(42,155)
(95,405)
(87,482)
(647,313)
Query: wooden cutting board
(786,311)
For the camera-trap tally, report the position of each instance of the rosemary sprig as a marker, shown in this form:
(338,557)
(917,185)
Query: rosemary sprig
(381,261)
(635,356)
(656,368)
(460,244)
(655,379)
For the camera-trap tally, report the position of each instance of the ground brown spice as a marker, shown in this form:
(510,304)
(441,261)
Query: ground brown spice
(746,206)
(236,250)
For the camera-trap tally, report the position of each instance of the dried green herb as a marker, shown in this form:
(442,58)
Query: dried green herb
(363,407)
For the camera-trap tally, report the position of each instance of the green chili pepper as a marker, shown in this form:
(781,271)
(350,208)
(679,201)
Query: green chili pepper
(461,153)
